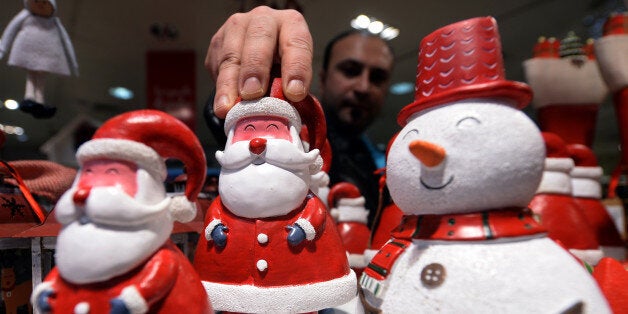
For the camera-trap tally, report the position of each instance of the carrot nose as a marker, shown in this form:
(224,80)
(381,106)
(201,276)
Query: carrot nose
(428,153)
(80,196)
(257,145)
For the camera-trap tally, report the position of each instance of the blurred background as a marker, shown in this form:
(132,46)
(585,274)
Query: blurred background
(155,50)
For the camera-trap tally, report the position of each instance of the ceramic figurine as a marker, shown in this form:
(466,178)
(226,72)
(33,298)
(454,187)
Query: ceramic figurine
(319,182)
(113,254)
(612,53)
(463,169)
(38,43)
(568,88)
(270,244)
(346,201)
(612,277)
(388,216)
(556,208)
(587,194)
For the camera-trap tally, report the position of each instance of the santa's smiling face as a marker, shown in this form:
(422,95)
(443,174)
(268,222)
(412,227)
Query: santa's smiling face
(114,213)
(265,171)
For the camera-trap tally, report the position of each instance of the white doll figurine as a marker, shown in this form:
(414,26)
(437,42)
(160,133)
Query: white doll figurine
(38,43)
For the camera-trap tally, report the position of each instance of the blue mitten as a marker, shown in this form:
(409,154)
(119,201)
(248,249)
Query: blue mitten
(296,235)
(118,307)
(219,235)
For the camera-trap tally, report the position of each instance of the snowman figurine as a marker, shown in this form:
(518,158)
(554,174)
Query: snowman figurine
(463,169)
(39,43)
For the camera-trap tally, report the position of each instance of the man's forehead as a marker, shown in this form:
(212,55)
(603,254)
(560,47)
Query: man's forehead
(362,47)
(262,118)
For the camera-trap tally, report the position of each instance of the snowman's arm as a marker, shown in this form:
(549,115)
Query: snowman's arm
(154,282)
(312,218)
(11,31)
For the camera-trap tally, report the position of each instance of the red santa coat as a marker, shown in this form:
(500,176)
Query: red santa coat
(259,271)
(166,283)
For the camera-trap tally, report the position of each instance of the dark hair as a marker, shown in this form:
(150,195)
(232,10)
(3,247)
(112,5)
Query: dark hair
(347,33)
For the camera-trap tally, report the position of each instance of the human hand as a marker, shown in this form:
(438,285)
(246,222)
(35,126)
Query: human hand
(242,52)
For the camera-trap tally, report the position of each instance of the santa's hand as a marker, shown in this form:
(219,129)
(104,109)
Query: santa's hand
(118,307)
(296,235)
(242,52)
(42,302)
(219,235)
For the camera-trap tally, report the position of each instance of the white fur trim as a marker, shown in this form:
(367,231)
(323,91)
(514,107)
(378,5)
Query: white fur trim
(310,233)
(182,209)
(357,260)
(585,182)
(556,178)
(352,213)
(357,201)
(267,106)
(334,212)
(559,164)
(136,152)
(134,300)
(39,289)
(591,257)
(369,254)
(282,299)
(210,227)
(559,81)
(612,55)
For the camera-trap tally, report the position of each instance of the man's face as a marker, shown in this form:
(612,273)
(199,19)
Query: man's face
(355,84)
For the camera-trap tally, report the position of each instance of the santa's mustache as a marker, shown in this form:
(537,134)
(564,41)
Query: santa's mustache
(109,206)
(277,152)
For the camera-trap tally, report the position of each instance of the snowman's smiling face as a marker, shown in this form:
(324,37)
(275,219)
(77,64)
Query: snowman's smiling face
(466,156)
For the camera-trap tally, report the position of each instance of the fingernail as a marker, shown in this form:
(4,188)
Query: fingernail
(252,86)
(221,105)
(295,88)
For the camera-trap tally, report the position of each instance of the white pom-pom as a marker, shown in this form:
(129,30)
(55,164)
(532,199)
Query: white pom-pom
(182,209)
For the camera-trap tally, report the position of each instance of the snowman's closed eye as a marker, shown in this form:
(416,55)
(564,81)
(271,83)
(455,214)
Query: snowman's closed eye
(411,134)
(468,122)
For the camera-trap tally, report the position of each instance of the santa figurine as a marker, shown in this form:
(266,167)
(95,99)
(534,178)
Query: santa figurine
(556,208)
(346,203)
(113,254)
(270,244)
(587,193)
(38,43)
(568,88)
(463,169)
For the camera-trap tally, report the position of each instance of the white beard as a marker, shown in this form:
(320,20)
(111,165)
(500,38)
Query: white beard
(90,250)
(270,185)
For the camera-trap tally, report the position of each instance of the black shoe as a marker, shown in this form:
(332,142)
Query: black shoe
(37,110)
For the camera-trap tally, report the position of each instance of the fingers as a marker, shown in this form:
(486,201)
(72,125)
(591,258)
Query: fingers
(260,45)
(223,61)
(296,50)
(241,55)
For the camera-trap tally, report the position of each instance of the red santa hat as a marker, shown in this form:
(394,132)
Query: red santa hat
(147,138)
(461,61)
(307,112)
(347,203)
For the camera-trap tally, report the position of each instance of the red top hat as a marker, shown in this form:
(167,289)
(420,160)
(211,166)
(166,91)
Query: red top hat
(460,61)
